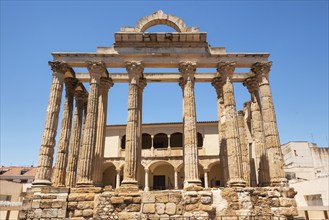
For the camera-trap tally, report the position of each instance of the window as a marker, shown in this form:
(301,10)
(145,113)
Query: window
(3,171)
(160,141)
(146,141)
(123,142)
(176,140)
(200,140)
(24,171)
(314,200)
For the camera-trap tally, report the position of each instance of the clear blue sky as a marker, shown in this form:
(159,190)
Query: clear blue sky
(294,32)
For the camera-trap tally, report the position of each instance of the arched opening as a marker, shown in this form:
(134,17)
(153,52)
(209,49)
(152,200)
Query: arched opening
(162,176)
(214,175)
(160,141)
(146,141)
(109,176)
(176,139)
(123,142)
(201,175)
(200,139)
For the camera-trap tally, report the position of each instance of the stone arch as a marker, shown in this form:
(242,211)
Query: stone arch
(146,141)
(176,139)
(162,175)
(215,174)
(158,18)
(109,174)
(160,140)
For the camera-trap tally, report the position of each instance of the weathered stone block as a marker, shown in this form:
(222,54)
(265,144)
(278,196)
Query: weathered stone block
(179,209)
(170,208)
(85,205)
(116,200)
(72,205)
(274,202)
(149,208)
(128,199)
(163,217)
(22,214)
(205,200)
(87,213)
(287,202)
(137,199)
(35,204)
(206,208)
(160,208)
(57,204)
(161,198)
(30,214)
(37,213)
(192,207)
(46,204)
(148,198)
(272,194)
(77,197)
(77,213)
(133,208)
(49,213)
(128,215)
(176,198)
(61,213)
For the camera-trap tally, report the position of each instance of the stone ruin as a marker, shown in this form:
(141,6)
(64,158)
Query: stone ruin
(73,189)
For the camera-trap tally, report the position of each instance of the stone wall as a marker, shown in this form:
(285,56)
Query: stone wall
(99,203)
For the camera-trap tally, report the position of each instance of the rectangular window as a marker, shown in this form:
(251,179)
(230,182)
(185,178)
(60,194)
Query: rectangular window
(314,200)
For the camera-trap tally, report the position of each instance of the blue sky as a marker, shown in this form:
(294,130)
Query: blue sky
(295,33)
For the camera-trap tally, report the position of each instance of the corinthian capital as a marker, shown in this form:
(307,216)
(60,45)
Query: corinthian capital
(187,70)
(106,83)
(217,83)
(261,69)
(251,83)
(96,68)
(226,69)
(59,66)
(142,83)
(135,71)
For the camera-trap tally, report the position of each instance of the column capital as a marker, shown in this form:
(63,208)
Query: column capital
(59,66)
(251,83)
(226,69)
(187,70)
(261,69)
(96,69)
(217,83)
(70,84)
(135,71)
(106,83)
(81,96)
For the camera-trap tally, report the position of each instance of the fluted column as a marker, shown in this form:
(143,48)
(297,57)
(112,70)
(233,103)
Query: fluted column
(217,83)
(59,173)
(105,85)
(186,81)
(43,175)
(244,149)
(226,69)
(257,130)
(135,72)
(84,177)
(272,140)
(80,99)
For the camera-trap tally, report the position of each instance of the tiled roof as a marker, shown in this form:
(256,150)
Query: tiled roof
(17,171)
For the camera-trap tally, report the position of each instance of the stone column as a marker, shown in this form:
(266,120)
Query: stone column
(176,179)
(135,72)
(169,141)
(147,188)
(186,81)
(274,154)
(244,149)
(118,179)
(206,185)
(257,130)
(59,172)
(80,99)
(217,83)
(85,163)
(226,70)
(105,84)
(43,175)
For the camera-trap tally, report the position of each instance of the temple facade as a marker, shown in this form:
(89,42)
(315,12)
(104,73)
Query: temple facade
(152,171)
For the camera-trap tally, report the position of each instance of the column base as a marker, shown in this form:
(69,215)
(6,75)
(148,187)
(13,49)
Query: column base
(41,183)
(192,185)
(128,186)
(236,182)
(275,182)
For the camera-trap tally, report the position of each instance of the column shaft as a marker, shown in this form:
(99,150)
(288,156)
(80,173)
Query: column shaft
(191,180)
(80,99)
(105,84)
(176,179)
(232,130)
(274,154)
(85,162)
(135,71)
(59,172)
(206,185)
(43,175)
(118,179)
(244,149)
(147,188)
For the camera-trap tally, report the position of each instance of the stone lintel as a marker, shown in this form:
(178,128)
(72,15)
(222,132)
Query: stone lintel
(167,59)
(165,77)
